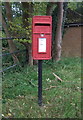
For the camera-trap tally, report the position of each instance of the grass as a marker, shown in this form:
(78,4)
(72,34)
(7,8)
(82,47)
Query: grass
(63,101)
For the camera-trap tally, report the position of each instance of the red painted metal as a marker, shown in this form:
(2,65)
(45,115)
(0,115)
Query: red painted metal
(41,37)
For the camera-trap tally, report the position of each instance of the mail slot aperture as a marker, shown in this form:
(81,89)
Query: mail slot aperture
(42,24)
(42,27)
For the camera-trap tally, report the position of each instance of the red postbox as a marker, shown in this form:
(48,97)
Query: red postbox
(41,37)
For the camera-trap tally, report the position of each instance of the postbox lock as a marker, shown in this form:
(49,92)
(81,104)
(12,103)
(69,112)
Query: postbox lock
(42,35)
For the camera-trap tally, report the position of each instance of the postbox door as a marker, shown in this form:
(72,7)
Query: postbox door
(42,47)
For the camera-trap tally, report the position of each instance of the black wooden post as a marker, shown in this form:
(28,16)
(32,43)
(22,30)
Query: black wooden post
(40,82)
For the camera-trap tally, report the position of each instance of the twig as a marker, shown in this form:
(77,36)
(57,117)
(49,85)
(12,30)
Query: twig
(31,83)
(50,87)
(6,63)
(57,77)
(5,49)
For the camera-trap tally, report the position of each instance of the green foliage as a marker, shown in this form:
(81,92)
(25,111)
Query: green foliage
(4,42)
(0,34)
(7,60)
(61,101)
(40,8)
(72,5)
(76,6)
(17,28)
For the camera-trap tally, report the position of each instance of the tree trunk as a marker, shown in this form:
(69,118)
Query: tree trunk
(58,37)
(10,42)
(8,11)
(30,55)
(29,59)
(12,46)
(49,8)
(27,13)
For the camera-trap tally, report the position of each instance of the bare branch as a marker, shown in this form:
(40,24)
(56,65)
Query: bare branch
(57,77)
